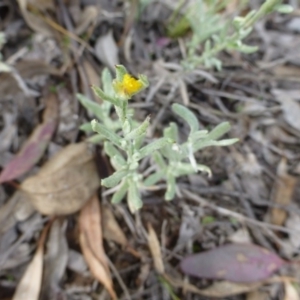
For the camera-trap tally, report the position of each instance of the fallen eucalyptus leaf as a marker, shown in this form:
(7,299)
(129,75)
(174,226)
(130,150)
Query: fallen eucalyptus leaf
(65,183)
(241,263)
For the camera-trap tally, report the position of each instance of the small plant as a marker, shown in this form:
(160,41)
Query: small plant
(124,140)
(213,33)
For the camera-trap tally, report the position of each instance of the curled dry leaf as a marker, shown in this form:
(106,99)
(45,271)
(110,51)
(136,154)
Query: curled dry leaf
(241,263)
(154,247)
(282,193)
(34,148)
(65,183)
(290,291)
(87,18)
(90,238)
(111,229)
(30,284)
(56,258)
(106,50)
(33,20)
(219,289)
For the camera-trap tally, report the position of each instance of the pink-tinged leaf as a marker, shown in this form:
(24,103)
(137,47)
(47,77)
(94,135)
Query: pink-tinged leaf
(35,146)
(242,263)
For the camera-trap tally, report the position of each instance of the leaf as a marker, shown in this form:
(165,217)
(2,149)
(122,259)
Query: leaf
(154,247)
(241,263)
(290,291)
(65,182)
(105,132)
(33,20)
(187,116)
(55,261)
(88,17)
(106,50)
(34,148)
(219,289)
(30,283)
(282,193)
(111,229)
(91,243)
(290,107)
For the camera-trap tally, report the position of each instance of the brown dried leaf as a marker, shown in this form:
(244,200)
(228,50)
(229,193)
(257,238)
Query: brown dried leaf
(88,17)
(219,289)
(90,238)
(33,21)
(111,229)
(65,183)
(154,247)
(55,261)
(290,291)
(282,193)
(30,284)
(35,146)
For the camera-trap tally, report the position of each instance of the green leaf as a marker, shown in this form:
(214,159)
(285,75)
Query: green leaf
(133,197)
(159,160)
(96,139)
(284,8)
(187,115)
(114,179)
(171,132)
(218,131)
(150,148)
(171,188)
(120,193)
(86,127)
(91,106)
(120,72)
(112,151)
(154,178)
(140,131)
(104,131)
(107,82)
(99,93)
(247,49)
(203,144)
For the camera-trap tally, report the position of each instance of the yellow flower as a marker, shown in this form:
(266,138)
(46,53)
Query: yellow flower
(128,86)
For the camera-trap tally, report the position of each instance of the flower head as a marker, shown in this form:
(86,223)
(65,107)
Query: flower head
(126,85)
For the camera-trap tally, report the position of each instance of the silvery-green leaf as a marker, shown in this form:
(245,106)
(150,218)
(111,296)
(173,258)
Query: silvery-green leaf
(171,132)
(86,127)
(107,133)
(203,144)
(150,148)
(90,105)
(107,82)
(112,151)
(171,188)
(138,142)
(244,32)
(133,197)
(183,169)
(114,179)
(200,134)
(284,8)
(247,49)
(120,193)
(203,168)
(138,132)
(96,139)
(118,162)
(218,131)
(159,160)
(120,72)
(154,178)
(99,93)
(187,115)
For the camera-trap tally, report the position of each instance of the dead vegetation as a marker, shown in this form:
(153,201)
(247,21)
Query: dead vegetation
(61,238)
